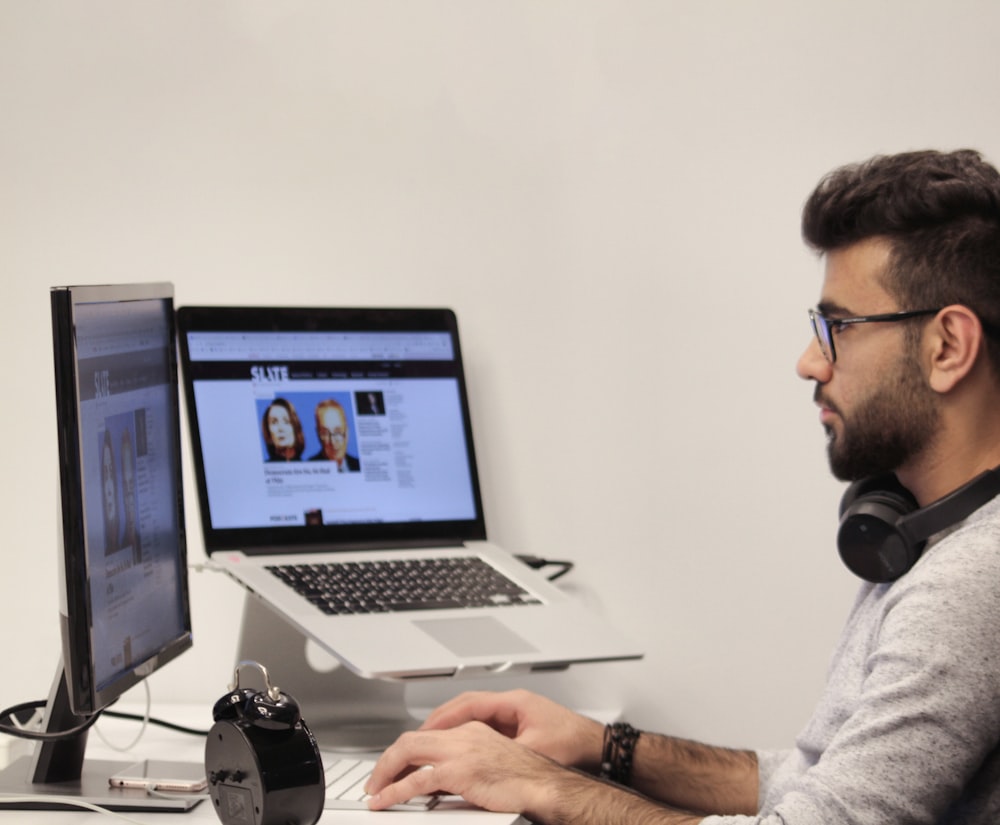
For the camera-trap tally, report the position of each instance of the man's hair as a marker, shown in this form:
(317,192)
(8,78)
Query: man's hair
(330,404)
(941,214)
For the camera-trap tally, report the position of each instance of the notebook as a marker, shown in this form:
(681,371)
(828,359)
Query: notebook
(326,435)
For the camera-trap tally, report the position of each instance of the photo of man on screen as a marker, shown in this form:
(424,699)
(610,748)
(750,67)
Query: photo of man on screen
(332,431)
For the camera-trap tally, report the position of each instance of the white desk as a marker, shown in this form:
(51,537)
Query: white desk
(161,743)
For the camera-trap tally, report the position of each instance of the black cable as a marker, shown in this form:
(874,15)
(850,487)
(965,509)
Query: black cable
(537,563)
(40,736)
(152,720)
(14,710)
(565,565)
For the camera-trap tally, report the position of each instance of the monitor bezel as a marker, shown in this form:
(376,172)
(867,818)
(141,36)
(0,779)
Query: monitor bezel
(75,610)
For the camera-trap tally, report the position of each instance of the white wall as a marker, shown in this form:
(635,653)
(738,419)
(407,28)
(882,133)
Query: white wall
(608,195)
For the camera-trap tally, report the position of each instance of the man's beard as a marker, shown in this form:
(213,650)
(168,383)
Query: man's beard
(888,428)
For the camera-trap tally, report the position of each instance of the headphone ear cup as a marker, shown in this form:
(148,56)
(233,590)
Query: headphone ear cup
(870,542)
(886,484)
(272,714)
(229,708)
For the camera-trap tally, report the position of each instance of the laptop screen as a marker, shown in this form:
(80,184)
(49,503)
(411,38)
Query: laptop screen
(338,427)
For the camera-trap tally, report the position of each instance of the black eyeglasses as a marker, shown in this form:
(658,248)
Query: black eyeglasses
(824,327)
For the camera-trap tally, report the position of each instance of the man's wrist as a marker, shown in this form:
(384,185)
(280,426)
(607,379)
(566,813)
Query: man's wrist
(574,798)
(618,751)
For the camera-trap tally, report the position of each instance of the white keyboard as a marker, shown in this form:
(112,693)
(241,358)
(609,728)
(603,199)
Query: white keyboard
(345,787)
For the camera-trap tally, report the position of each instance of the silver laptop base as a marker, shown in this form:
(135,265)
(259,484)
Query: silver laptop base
(344,711)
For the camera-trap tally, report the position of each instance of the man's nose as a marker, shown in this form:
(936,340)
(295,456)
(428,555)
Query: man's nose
(812,364)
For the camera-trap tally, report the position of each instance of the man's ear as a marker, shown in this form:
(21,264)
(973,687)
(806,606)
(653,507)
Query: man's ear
(954,340)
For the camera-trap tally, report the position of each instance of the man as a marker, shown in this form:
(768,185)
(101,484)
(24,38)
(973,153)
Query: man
(331,429)
(906,364)
(369,403)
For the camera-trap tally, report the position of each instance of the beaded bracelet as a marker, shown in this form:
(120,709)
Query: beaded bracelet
(617,752)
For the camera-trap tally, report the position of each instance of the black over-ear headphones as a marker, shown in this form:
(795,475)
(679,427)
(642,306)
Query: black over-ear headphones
(883,530)
(262,761)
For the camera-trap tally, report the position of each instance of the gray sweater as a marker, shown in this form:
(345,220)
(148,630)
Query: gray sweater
(908,727)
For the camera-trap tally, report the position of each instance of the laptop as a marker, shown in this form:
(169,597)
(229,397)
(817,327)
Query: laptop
(342,436)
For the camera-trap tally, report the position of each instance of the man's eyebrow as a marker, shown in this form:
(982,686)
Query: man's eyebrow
(831,309)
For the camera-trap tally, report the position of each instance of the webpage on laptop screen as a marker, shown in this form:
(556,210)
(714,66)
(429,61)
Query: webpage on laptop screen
(330,428)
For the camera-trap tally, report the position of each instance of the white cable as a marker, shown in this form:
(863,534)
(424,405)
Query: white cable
(192,797)
(142,729)
(32,724)
(66,800)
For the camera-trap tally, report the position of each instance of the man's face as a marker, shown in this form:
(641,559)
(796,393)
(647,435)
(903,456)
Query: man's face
(875,404)
(332,431)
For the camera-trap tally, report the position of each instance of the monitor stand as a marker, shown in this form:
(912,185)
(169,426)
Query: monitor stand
(58,777)
(345,712)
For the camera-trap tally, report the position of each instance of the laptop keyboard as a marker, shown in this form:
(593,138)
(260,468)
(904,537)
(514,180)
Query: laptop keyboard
(402,584)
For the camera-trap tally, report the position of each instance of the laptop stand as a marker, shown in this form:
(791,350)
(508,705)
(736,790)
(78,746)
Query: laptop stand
(345,712)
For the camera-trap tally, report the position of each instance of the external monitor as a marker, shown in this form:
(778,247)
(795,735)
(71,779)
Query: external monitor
(123,590)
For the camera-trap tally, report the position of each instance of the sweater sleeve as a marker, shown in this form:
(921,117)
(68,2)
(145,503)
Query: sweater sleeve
(768,762)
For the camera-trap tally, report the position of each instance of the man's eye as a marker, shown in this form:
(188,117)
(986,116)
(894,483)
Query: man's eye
(837,326)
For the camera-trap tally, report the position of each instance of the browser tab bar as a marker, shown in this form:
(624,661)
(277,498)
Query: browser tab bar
(320,346)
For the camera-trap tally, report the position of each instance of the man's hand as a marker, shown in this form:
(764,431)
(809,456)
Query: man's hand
(491,770)
(472,760)
(530,720)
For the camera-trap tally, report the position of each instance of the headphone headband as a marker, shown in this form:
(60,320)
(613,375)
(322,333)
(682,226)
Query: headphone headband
(952,508)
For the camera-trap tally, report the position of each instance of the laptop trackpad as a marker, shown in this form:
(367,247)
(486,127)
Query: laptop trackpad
(479,636)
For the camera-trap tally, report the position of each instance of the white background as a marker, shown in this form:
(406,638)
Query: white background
(607,193)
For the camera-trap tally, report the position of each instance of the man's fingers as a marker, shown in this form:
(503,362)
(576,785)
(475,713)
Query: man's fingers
(419,782)
(478,706)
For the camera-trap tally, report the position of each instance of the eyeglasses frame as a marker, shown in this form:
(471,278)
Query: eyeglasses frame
(817,319)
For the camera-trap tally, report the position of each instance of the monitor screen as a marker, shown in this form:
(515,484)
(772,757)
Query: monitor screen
(123,590)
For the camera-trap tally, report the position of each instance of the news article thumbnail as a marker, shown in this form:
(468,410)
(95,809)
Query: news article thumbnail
(328,433)
(122,442)
(305,451)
